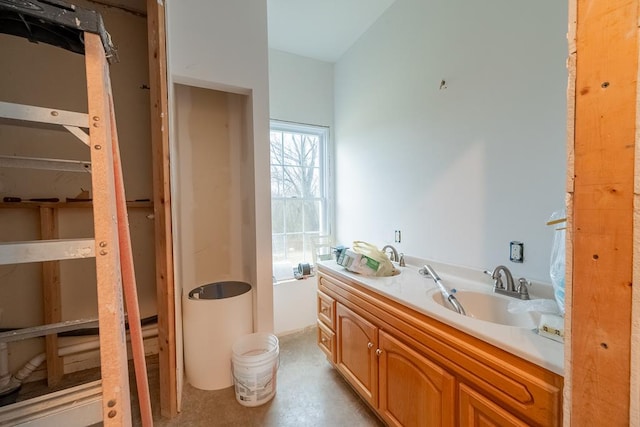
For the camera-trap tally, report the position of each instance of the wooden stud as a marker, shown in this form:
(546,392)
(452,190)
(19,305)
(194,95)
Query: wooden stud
(116,405)
(634,398)
(51,296)
(602,214)
(129,284)
(162,208)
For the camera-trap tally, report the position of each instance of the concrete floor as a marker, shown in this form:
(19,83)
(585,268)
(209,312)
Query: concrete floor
(310,392)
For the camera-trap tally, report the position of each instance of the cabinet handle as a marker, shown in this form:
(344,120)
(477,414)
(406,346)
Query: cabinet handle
(324,309)
(370,345)
(378,352)
(324,340)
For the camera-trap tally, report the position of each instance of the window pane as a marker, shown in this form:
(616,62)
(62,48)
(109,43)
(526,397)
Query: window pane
(291,149)
(310,148)
(292,182)
(276,148)
(278,248)
(293,216)
(312,216)
(277,183)
(309,245)
(294,248)
(277,216)
(310,178)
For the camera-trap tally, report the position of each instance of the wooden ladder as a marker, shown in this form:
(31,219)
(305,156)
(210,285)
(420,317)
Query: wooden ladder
(111,248)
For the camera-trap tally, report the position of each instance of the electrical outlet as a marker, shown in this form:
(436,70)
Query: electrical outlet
(516,251)
(398,236)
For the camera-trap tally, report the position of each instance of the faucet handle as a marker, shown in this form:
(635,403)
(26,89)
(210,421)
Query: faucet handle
(522,288)
(497,276)
(401,263)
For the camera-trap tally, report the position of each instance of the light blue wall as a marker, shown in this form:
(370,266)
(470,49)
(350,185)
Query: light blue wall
(465,169)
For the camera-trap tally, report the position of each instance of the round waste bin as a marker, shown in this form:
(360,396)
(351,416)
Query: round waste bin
(214,316)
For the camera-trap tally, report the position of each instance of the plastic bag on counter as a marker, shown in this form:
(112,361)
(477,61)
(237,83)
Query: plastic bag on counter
(366,259)
(540,305)
(558,257)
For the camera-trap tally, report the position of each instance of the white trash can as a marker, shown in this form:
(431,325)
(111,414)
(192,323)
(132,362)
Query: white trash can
(255,363)
(214,316)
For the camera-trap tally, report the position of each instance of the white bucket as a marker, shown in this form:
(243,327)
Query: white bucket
(255,362)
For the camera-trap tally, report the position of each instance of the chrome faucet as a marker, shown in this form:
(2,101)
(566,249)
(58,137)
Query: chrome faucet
(509,289)
(394,253)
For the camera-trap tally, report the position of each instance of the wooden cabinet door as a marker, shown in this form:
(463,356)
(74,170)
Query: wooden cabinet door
(413,390)
(327,341)
(357,341)
(477,410)
(326,309)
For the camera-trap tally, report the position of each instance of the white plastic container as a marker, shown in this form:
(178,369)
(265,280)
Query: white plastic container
(215,315)
(255,360)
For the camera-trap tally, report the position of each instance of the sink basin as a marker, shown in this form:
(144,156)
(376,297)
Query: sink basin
(490,308)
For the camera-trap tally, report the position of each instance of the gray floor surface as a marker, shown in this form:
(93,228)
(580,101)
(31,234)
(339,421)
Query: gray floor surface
(310,392)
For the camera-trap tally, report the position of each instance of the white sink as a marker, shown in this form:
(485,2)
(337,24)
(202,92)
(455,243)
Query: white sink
(489,307)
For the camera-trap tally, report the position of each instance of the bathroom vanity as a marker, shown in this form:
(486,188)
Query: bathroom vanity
(416,362)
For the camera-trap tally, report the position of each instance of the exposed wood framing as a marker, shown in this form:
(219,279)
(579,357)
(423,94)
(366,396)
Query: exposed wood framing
(571,117)
(116,405)
(634,398)
(129,283)
(602,211)
(52,300)
(162,207)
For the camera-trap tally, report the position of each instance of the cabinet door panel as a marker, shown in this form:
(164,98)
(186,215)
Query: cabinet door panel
(414,391)
(477,410)
(327,341)
(357,341)
(326,309)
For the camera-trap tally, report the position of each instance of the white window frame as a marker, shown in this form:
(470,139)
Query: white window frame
(326,189)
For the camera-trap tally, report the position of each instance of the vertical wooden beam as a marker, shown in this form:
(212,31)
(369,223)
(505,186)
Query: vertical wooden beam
(634,398)
(571,117)
(129,281)
(116,404)
(602,220)
(51,295)
(162,207)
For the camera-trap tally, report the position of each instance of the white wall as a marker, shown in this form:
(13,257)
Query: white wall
(301,91)
(222,45)
(464,170)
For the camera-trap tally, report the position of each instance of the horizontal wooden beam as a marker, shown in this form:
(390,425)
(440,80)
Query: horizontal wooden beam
(42,330)
(32,113)
(46,250)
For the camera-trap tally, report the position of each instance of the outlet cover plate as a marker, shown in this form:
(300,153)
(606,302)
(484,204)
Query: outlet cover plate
(516,251)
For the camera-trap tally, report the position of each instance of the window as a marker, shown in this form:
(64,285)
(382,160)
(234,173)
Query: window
(299,194)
